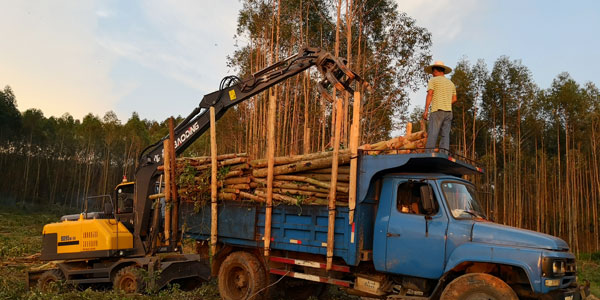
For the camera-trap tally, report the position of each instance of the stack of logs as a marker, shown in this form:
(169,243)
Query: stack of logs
(299,179)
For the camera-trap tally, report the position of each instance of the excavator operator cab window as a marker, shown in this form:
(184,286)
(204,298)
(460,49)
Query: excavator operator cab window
(125,199)
(409,199)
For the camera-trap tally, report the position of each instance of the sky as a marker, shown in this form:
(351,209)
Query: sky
(158,58)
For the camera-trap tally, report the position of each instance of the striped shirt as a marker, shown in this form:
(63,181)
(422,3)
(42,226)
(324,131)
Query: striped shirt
(443,90)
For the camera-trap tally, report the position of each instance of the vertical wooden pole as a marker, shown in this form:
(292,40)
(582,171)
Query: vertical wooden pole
(174,200)
(167,170)
(270,166)
(354,136)
(332,189)
(213,183)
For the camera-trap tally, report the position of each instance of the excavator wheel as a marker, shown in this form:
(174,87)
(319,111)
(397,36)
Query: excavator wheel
(49,279)
(129,280)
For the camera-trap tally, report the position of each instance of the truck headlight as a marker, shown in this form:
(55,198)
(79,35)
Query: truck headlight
(559,267)
(555,267)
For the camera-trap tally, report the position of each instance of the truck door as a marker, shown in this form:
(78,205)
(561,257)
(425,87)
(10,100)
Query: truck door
(415,239)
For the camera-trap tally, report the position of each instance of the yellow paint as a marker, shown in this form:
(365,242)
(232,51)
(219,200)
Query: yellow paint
(92,235)
(123,184)
(232,95)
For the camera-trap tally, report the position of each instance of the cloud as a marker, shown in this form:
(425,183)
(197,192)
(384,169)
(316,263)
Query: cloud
(444,18)
(51,60)
(185,40)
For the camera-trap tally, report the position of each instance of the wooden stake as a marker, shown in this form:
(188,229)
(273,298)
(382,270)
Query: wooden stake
(213,183)
(354,136)
(332,189)
(174,200)
(168,194)
(270,167)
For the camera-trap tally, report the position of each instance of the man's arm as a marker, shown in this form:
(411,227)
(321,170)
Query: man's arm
(427,103)
(454,99)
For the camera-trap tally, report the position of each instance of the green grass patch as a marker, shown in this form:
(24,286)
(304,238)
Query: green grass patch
(588,268)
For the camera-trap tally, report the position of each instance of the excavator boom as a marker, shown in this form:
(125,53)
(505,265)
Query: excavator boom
(231,92)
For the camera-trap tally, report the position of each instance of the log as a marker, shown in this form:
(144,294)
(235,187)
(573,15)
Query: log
(241,186)
(233,173)
(156,196)
(326,177)
(207,159)
(227,196)
(227,162)
(354,141)
(270,166)
(174,200)
(251,197)
(243,166)
(341,170)
(283,160)
(311,181)
(302,166)
(282,198)
(333,185)
(213,183)
(168,194)
(290,185)
(236,180)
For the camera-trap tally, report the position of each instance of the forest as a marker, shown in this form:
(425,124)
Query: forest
(538,146)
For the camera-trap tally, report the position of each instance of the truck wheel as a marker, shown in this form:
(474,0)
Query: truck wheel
(478,286)
(49,278)
(241,276)
(129,280)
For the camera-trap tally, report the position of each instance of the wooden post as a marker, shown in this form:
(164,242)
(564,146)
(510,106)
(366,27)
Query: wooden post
(306,147)
(408,129)
(167,167)
(175,202)
(213,183)
(354,141)
(270,166)
(333,187)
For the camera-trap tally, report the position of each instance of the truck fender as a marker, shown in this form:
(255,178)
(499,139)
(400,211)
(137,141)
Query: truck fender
(523,258)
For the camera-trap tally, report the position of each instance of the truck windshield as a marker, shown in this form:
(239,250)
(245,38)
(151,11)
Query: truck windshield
(462,200)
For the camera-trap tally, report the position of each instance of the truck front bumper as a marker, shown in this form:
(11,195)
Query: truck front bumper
(573,292)
(579,292)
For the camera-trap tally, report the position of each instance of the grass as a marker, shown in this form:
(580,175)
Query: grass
(588,268)
(20,236)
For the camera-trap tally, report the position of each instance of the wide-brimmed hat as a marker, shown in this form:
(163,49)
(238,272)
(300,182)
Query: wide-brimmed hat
(440,64)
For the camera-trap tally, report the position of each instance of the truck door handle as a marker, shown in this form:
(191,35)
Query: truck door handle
(389,234)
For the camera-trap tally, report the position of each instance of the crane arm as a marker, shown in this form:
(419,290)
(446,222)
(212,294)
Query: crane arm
(231,92)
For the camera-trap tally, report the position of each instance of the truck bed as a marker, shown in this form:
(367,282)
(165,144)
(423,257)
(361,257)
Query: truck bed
(303,228)
(294,228)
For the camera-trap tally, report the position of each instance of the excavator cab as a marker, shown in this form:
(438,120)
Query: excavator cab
(96,232)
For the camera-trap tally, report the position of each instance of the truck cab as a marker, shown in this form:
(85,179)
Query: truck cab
(429,226)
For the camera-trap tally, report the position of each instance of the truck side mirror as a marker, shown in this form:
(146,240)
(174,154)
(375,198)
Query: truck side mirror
(427,198)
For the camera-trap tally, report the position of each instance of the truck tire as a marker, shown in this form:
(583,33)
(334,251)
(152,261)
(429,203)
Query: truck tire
(48,278)
(476,286)
(241,276)
(129,280)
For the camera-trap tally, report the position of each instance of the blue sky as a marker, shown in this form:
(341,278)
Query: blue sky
(160,57)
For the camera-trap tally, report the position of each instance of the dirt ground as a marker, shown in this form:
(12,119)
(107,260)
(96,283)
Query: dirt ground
(20,241)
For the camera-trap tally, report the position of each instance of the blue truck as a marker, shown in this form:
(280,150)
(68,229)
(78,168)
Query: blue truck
(419,232)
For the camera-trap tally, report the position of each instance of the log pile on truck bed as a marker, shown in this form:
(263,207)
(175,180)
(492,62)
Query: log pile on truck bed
(298,179)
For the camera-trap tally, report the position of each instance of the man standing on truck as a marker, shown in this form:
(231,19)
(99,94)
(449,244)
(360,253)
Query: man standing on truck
(441,94)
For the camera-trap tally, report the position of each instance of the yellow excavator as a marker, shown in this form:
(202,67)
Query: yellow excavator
(120,243)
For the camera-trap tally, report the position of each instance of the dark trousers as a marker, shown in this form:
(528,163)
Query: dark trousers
(439,124)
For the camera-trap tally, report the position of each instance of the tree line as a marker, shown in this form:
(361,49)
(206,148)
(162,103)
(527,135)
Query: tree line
(539,146)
